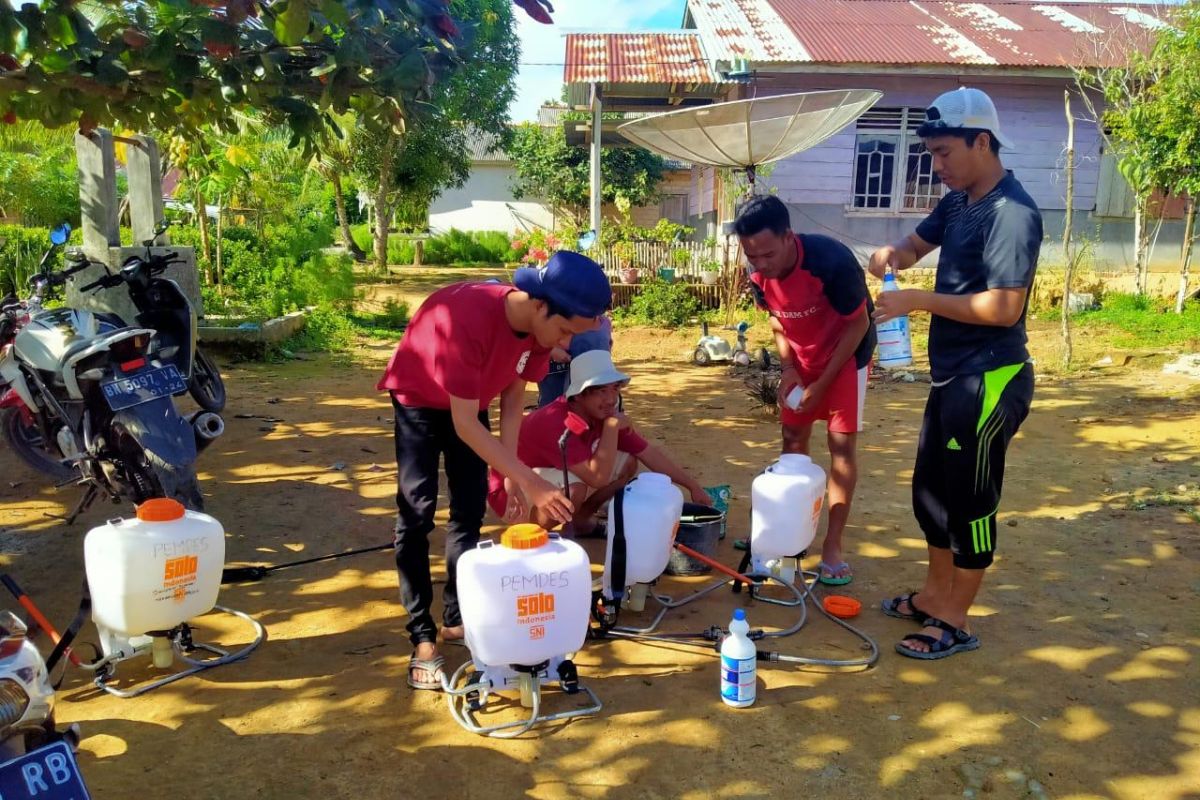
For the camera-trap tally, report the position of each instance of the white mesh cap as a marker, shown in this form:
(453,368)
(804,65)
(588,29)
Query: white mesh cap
(967,108)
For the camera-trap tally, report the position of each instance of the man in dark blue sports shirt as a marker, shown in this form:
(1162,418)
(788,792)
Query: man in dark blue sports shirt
(990,232)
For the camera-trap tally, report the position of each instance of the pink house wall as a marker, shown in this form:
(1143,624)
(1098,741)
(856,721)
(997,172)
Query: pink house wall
(1031,113)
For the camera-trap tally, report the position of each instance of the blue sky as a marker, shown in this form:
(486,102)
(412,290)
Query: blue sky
(543,44)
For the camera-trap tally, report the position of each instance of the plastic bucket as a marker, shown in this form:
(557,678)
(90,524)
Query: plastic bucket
(699,529)
(721,495)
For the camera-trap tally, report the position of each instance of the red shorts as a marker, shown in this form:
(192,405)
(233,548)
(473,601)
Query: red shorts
(842,406)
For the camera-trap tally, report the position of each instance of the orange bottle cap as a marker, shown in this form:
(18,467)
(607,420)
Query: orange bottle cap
(526,536)
(160,509)
(841,606)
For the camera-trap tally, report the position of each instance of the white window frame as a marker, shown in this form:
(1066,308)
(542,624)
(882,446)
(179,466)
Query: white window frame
(899,126)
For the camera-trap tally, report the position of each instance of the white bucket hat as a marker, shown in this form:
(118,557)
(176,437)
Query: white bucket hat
(593,368)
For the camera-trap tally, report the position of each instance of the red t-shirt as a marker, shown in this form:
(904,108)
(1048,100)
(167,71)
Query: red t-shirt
(537,445)
(816,301)
(460,343)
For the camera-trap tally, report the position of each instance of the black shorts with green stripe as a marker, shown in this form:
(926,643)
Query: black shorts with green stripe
(969,421)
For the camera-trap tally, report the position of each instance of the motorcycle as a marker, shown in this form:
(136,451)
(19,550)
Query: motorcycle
(100,398)
(36,759)
(163,307)
(18,426)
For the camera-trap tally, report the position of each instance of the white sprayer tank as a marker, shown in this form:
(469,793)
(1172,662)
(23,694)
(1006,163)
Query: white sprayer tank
(787,499)
(651,506)
(526,600)
(154,572)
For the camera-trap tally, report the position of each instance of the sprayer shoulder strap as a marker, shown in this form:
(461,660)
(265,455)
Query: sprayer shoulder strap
(619,550)
(68,636)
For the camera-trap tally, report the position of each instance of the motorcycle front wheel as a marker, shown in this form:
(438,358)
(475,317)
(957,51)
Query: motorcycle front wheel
(26,440)
(206,386)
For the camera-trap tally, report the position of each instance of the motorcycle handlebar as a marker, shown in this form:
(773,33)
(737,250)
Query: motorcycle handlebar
(103,282)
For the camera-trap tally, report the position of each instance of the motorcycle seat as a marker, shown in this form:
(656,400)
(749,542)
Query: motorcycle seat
(78,346)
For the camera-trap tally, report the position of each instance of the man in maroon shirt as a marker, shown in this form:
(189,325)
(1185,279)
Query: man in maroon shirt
(817,296)
(600,460)
(468,344)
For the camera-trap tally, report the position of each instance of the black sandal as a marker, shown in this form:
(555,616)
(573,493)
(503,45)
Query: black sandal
(892,608)
(953,640)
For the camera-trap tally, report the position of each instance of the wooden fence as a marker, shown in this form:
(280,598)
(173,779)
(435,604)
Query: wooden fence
(649,256)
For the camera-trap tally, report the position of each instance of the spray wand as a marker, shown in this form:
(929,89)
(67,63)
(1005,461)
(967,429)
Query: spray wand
(577,425)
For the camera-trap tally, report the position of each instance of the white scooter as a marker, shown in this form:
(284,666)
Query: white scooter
(36,760)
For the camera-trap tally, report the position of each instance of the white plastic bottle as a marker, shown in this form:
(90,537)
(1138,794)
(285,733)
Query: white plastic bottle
(895,339)
(739,666)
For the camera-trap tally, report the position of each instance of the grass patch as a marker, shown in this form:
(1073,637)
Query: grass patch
(1186,498)
(1141,321)
(331,330)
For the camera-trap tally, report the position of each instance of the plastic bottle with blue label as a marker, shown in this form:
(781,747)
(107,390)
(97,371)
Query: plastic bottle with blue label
(895,339)
(739,665)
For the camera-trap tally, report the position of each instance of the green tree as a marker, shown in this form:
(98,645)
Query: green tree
(549,169)
(408,172)
(184,64)
(1171,119)
(335,161)
(38,181)
(1148,118)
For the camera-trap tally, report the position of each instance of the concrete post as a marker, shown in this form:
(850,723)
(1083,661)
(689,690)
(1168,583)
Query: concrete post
(144,169)
(98,192)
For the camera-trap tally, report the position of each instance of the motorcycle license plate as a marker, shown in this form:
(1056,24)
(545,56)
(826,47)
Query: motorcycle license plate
(48,773)
(143,387)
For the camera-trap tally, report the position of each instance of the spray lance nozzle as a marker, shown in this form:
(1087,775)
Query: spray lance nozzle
(577,425)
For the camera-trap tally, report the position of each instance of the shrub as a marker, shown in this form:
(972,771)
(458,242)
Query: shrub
(452,247)
(20,251)
(668,305)
(325,329)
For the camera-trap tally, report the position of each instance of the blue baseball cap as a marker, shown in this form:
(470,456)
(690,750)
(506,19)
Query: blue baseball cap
(570,282)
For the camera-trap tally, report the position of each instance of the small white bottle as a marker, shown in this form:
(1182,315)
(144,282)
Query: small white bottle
(739,665)
(795,397)
(895,340)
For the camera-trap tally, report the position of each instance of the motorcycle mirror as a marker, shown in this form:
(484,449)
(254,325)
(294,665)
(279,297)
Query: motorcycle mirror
(587,241)
(162,227)
(59,235)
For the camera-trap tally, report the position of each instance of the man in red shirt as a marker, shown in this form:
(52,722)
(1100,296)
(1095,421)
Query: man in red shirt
(468,344)
(820,311)
(600,461)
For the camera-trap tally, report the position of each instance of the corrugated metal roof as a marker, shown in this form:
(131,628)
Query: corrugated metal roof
(483,147)
(922,32)
(636,58)
(551,116)
(749,29)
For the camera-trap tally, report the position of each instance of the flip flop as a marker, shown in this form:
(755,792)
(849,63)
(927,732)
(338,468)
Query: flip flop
(831,579)
(432,666)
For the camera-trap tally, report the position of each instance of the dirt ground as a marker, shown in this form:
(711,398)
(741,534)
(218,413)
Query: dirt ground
(1085,687)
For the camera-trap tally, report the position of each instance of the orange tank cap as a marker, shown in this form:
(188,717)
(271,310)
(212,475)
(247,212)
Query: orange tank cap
(841,606)
(524,537)
(160,509)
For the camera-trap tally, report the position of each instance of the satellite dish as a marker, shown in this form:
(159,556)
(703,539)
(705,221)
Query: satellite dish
(744,134)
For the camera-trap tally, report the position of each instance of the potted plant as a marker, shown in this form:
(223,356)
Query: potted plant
(625,252)
(681,259)
(710,272)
